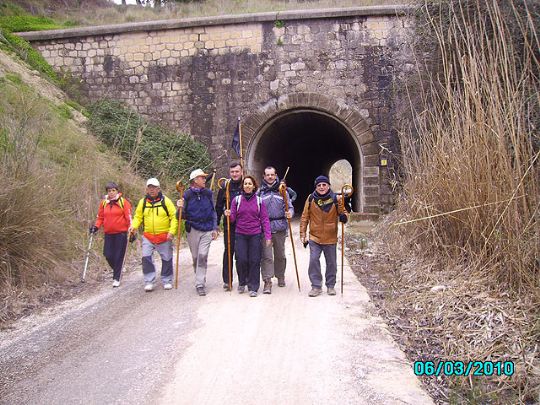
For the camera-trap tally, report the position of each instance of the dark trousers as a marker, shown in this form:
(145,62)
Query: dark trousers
(114,249)
(226,253)
(248,260)
(314,270)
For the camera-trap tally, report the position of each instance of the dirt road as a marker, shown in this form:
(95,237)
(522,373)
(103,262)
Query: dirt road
(125,346)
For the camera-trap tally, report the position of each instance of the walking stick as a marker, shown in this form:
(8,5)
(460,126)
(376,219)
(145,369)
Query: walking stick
(228,207)
(212,181)
(83,278)
(283,191)
(180,189)
(346,191)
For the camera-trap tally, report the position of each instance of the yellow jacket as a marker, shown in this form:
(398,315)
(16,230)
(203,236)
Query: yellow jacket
(155,220)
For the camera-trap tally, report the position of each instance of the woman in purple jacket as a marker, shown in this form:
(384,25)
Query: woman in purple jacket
(252,223)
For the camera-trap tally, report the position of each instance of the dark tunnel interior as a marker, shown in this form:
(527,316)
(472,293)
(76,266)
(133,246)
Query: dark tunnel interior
(309,143)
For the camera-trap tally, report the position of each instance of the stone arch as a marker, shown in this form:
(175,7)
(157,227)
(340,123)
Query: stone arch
(351,139)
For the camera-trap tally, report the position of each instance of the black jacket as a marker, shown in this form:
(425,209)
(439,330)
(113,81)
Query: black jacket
(234,189)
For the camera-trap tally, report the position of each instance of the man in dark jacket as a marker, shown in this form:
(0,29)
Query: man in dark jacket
(200,224)
(274,260)
(235,187)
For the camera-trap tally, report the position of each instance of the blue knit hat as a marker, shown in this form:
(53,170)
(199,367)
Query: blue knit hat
(322,179)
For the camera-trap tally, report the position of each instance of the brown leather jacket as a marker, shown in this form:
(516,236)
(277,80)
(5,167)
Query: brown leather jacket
(323,226)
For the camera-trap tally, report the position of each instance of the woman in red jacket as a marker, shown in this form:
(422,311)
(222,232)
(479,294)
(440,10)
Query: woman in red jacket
(115,216)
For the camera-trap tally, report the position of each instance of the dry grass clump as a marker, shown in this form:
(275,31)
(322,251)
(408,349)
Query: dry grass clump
(97,15)
(471,197)
(53,176)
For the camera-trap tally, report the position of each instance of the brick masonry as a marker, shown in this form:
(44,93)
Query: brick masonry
(199,75)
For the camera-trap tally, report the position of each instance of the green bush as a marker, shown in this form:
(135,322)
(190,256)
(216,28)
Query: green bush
(153,150)
(28,54)
(22,23)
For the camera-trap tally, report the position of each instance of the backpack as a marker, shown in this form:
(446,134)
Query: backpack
(120,203)
(310,198)
(239,198)
(163,205)
(191,195)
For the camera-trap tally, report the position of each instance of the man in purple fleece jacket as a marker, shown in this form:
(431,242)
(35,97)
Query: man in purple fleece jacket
(249,214)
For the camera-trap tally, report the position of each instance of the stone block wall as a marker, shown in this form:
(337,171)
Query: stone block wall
(200,75)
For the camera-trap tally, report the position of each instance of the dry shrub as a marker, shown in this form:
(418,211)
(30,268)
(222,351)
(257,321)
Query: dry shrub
(53,178)
(471,198)
(29,231)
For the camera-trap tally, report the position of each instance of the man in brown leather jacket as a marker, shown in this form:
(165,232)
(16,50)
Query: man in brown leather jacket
(321,213)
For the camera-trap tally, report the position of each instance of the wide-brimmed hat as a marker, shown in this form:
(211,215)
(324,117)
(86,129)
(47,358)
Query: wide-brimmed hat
(197,173)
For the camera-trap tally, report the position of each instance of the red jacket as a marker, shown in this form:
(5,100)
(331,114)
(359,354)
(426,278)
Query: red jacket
(115,216)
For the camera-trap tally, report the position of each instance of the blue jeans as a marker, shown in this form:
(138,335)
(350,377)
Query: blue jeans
(248,260)
(314,271)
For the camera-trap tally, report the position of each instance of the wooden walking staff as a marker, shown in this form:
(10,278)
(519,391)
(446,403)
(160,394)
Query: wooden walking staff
(228,207)
(180,189)
(283,191)
(346,191)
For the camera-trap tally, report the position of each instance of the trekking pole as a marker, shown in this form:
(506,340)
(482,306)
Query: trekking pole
(180,189)
(283,191)
(125,255)
(83,278)
(228,207)
(346,191)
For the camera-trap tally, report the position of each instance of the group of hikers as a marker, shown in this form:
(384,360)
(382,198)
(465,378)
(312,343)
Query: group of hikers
(255,228)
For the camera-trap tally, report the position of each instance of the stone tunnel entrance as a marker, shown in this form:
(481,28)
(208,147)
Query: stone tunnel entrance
(309,142)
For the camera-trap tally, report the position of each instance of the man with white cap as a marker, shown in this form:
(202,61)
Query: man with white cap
(157,214)
(200,224)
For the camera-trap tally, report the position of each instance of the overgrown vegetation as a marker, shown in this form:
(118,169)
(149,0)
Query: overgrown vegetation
(469,210)
(153,151)
(53,177)
(96,12)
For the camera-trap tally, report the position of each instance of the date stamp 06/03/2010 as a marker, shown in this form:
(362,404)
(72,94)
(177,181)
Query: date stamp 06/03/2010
(463,368)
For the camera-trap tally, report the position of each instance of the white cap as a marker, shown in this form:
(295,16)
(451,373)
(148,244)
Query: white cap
(153,182)
(196,173)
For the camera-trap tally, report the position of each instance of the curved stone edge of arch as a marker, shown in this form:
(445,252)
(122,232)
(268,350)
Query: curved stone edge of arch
(348,116)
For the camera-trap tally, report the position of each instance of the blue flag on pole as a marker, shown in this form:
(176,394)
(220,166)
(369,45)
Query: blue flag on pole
(236,139)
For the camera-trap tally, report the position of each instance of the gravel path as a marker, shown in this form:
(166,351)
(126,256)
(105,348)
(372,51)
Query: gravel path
(172,347)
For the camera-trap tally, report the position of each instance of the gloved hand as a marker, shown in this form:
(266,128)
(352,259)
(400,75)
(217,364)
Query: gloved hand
(93,229)
(132,237)
(343,218)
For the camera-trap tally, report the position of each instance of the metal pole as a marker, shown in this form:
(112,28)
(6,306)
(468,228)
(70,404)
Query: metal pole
(83,278)
(240,136)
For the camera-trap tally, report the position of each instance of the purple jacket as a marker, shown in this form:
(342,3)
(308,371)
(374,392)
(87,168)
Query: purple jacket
(249,219)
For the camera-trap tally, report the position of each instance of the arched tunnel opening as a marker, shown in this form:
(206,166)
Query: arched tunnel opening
(309,143)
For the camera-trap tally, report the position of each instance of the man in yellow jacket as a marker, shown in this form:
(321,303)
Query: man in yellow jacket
(321,213)
(157,214)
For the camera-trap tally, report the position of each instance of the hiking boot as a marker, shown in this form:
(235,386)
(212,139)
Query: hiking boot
(201,291)
(281,282)
(149,287)
(226,287)
(241,289)
(167,286)
(267,287)
(331,291)
(315,292)
(253,293)
(116,283)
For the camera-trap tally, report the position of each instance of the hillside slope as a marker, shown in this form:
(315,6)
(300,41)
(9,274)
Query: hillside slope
(54,174)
